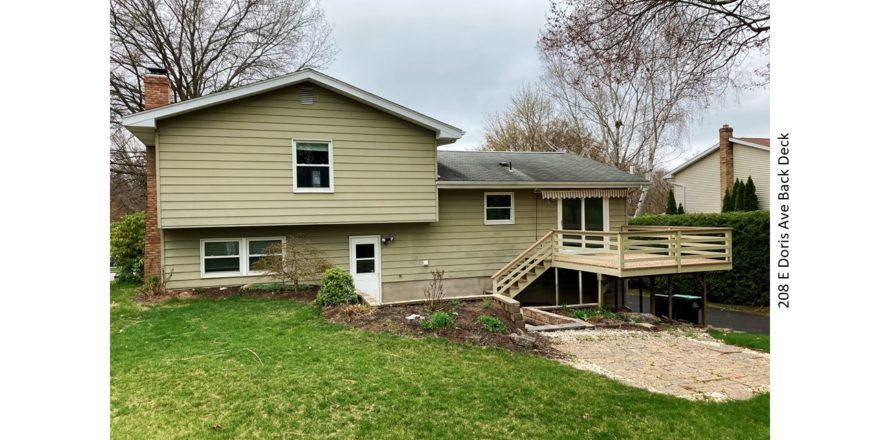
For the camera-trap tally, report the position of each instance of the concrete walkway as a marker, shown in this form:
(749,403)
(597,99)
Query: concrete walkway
(739,321)
(694,367)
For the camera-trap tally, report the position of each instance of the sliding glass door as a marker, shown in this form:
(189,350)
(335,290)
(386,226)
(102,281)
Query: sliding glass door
(582,214)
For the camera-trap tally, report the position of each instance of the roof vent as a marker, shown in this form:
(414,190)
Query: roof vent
(306,96)
(508,164)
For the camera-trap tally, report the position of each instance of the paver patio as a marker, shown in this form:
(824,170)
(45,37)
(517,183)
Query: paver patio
(694,367)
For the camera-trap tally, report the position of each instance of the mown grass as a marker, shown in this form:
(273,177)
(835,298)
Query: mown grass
(754,341)
(250,367)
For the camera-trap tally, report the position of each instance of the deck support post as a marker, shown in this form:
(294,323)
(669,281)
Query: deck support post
(669,296)
(701,278)
(580,287)
(653,295)
(640,295)
(556,274)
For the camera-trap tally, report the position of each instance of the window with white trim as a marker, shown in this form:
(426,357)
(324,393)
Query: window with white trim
(258,248)
(498,208)
(221,257)
(313,166)
(230,257)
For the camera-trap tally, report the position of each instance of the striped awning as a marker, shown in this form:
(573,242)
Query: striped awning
(585,193)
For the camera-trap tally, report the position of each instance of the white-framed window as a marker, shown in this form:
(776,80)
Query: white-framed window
(258,248)
(312,166)
(233,257)
(498,208)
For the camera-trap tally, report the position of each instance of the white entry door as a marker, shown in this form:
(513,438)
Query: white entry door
(365,261)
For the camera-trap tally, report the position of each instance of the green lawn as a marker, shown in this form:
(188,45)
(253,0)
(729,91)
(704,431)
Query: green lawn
(754,341)
(271,368)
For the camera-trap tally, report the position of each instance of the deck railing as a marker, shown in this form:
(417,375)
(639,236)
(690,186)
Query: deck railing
(633,247)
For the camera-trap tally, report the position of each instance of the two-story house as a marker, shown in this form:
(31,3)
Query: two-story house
(360,177)
(700,183)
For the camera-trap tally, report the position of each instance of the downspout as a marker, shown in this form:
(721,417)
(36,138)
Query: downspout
(683,195)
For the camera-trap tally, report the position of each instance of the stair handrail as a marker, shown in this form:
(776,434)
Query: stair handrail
(522,254)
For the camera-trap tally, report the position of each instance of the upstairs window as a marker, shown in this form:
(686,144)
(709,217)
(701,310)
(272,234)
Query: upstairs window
(313,166)
(498,208)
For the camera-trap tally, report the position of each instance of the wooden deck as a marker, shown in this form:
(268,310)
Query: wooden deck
(631,252)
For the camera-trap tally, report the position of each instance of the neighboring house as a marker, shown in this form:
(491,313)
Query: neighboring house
(700,182)
(360,177)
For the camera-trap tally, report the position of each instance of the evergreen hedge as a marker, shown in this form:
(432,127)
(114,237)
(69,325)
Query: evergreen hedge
(749,281)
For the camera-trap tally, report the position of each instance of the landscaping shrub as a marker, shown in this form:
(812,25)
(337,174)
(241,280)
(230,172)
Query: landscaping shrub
(670,203)
(438,320)
(492,324)
(337,287)
(127,246)
(749,281)
(272,287)
(584,314)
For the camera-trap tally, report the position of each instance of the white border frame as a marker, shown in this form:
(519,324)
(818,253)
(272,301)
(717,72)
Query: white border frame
(329,143)
(351,260)
(512,220)
(243,257)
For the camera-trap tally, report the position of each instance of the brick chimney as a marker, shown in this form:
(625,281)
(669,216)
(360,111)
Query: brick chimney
(157,93)
(725,149)
(157,88)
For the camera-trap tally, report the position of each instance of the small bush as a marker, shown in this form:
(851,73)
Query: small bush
(127,246)
(434,292)
(438,320)
(156,286)
(493,324)
(584,314)
(487,303)
(337,287)
(272,287)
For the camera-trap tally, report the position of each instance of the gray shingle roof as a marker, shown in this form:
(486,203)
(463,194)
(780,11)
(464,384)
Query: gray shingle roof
(482,166)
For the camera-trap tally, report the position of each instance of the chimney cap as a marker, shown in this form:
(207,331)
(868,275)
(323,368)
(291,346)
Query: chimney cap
(157,71)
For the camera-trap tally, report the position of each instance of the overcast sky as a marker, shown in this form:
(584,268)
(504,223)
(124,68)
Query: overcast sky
(458,61)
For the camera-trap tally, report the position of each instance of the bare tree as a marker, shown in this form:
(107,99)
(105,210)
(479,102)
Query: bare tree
(533,122)
(211,45)
(294,261)
(636,103)
(206,46)
(714,35)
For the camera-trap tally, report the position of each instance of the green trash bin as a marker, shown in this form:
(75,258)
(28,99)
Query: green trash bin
(684,307)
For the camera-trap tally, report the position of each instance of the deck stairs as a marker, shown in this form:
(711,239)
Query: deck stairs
(632,251)
(527,267)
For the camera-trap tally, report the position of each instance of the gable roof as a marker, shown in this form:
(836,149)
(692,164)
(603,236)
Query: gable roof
(483,169)
(762,144)
(144,123)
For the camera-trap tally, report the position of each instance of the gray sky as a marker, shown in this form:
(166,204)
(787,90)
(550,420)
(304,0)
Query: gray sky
(458,61)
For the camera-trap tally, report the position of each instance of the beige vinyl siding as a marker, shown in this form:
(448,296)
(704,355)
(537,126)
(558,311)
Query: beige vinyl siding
(748,161)
(702,185)
(616,214)
(232,165)
(459,243)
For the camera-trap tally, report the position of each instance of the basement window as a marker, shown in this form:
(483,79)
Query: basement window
(221,257)
(313,166)
(498,208)
(234,257)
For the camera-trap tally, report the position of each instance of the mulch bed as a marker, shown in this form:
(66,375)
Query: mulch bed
(467,328)
(306,295)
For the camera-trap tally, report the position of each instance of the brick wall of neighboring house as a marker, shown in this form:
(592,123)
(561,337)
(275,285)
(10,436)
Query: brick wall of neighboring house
(725,149)
(157,93)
